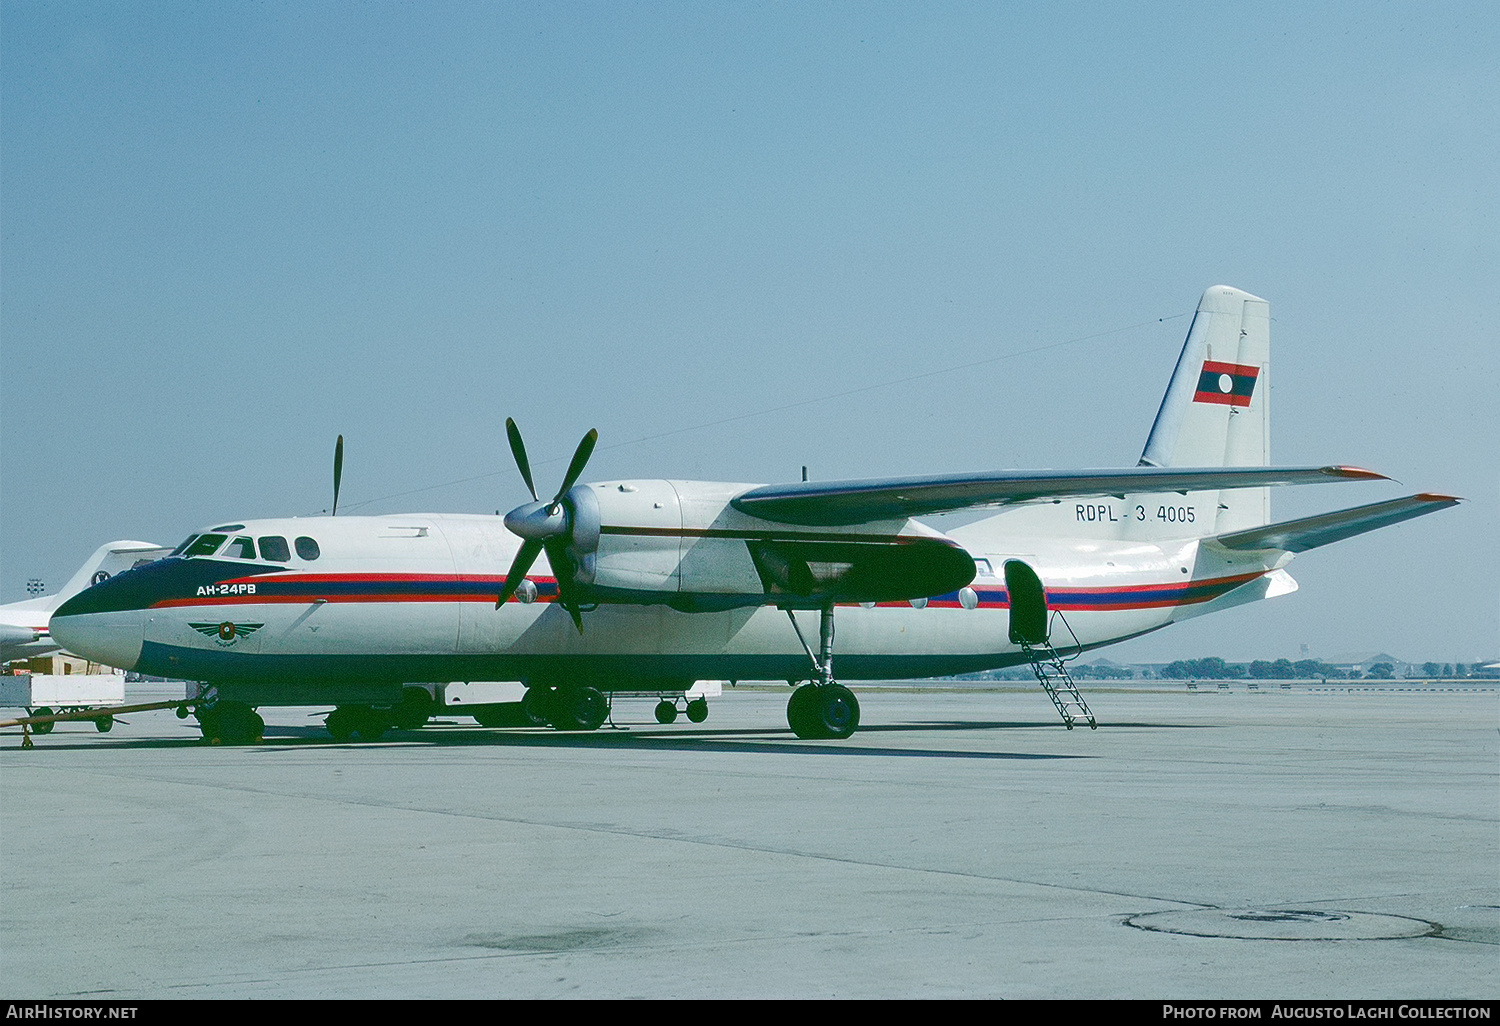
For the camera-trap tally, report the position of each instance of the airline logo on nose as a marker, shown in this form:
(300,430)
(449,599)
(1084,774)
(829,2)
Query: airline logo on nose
(226,633)
(1227,384)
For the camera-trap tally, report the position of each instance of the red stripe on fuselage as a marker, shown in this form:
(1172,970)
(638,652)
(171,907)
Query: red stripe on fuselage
(1073,599)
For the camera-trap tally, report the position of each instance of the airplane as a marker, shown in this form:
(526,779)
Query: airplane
(23,625)
(646,584)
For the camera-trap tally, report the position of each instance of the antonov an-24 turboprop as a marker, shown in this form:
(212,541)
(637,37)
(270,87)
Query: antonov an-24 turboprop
(651,584)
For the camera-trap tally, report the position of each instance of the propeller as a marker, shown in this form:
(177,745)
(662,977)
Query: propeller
(545,526)
(338,472)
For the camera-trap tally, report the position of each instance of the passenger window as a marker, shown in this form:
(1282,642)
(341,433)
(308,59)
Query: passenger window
(274,548)
(190,539)
(307,548)
(206,545)
(241,548)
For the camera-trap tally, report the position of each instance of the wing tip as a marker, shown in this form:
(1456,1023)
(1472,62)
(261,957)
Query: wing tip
(1354,473)
(1446,500)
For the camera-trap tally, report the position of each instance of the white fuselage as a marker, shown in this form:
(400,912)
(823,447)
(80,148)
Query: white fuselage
(411,597)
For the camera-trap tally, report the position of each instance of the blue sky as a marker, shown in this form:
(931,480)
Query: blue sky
(738,238)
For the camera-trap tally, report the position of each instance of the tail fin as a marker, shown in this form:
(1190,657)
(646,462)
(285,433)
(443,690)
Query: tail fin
(1216,412)
(109,559)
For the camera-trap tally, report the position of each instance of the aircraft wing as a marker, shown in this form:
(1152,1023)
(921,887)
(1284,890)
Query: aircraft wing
(1326,528)
(827,503)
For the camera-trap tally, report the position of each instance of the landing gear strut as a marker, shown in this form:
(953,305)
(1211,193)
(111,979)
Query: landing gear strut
(823,708)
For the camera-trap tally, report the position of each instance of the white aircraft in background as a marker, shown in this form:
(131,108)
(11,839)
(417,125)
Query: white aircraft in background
(654,584)
(23,625)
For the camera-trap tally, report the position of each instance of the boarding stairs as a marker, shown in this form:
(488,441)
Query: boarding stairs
(1031,628)
(1052,674)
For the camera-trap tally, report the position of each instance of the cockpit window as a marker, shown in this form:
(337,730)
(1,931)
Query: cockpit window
(307,548)
(206,545)
(241,548)
(983,568)
(274,548)
(188,541)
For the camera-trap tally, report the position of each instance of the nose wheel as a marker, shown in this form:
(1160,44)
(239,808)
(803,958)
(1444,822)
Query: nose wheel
(230,723)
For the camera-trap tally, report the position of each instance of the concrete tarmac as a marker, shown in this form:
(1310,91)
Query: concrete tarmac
(1314,843)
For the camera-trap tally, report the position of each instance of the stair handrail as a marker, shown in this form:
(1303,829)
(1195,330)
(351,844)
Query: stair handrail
(1057,614)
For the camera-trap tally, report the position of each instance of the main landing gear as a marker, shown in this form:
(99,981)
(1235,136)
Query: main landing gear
(822,708)
(569,707)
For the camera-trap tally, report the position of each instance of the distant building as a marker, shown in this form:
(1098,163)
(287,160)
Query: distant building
(1360,664)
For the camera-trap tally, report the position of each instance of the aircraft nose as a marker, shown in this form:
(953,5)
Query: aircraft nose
(111,637)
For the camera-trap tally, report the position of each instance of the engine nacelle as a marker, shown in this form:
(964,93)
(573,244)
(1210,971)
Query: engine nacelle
(682,544)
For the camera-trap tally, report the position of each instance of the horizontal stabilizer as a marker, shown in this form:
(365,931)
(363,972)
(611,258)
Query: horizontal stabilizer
(1324,529)
(827,503)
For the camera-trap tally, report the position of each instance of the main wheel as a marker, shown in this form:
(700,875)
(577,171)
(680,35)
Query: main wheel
(799,714)
(697,710)
(836,712)
(104,724)
(575,708)
(42,728)
(666,711)
(536,705)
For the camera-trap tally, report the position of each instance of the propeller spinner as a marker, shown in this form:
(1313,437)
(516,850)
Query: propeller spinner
(545,526)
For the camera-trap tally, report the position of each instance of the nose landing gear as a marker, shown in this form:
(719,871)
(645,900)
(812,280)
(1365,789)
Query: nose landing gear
(231,723)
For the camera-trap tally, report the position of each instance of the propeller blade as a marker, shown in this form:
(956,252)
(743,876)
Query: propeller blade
(530,549)
(580,458)
(338,472)
(562,569)
(518,450)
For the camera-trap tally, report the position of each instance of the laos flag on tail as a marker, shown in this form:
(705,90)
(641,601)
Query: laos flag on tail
(1228,384)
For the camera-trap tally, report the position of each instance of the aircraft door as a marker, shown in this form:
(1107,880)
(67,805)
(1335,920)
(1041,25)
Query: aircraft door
(1028,604)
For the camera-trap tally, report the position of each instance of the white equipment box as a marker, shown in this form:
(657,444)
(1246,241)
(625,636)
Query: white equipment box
(33,690)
